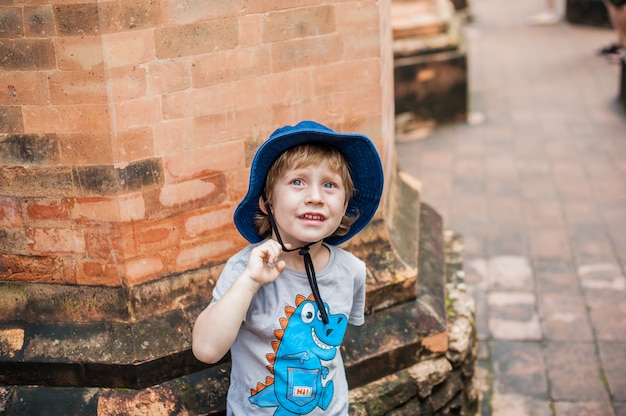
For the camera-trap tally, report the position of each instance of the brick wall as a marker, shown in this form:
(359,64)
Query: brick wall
(127,128)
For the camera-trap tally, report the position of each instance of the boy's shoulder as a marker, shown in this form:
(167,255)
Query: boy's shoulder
(244,253)
(344,256)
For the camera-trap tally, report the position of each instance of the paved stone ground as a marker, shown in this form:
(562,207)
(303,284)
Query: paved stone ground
(538,191)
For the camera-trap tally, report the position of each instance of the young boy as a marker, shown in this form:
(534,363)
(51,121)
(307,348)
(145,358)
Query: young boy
(282,305)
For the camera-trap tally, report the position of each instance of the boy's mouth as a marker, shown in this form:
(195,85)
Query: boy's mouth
(313,217)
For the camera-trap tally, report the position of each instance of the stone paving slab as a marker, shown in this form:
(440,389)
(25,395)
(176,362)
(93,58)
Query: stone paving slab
(613,355)
(574,371)
(564,318)
(535,183)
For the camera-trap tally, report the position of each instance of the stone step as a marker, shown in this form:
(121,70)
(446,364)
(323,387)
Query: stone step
(430,65)
(411,18)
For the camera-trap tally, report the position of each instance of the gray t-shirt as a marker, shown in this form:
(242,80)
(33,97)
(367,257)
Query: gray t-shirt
(284,360)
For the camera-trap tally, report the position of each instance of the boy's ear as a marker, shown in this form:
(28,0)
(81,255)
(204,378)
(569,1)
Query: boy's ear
(262,205)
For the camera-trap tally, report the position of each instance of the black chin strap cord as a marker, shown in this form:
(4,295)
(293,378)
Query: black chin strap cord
(308,262)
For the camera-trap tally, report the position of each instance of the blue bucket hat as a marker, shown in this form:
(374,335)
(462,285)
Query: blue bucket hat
(358,150)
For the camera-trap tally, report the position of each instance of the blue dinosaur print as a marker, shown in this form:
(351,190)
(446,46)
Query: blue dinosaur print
(298,370)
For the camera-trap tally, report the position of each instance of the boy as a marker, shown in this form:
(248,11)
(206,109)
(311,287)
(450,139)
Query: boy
(310,189)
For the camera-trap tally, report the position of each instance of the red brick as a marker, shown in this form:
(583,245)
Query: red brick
(177,105)
(23,88)
(139,112)
(133,144)
(155,200)
(237,124)
(354,104)
(27,54)
(254,7)
(26,268)
(210,221)
(128,48)
(237,184)
(48,209)
(10,212)
(214,127)
(77,87)
(213,251)
(14,240)
(126,83)
(119,15)
(12,22)
(66,118)
(77,19)
(363,44)
(215,68)
(270,89)
(122,209)
(221,67)
(346,75)
(201,101)
(64,271)
(169,135)
(168,76)
(143,269)
(11,119)
(96,273)
(85,148)
(250,30)
(39,21)
(197,38)
(253,62)
(75,53)
(215,158)
(183,192)
(57,240)
(199,10)
(154,237)
(111,242)
(301,53)
(298,23)
(227,126)
(358,16)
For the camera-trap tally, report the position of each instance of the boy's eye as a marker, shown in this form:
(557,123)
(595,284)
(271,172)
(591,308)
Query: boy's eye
(329,185)
(296,182)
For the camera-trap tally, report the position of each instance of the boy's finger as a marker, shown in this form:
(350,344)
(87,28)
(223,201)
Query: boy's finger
(280,266)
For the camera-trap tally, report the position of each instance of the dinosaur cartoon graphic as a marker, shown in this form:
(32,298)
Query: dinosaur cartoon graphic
(303,343)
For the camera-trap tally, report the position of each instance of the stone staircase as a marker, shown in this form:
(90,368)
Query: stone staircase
(430,64)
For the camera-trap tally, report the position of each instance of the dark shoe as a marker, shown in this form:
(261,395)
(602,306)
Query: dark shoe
(610,49)
(617,56)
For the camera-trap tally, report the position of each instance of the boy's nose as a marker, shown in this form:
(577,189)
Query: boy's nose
(314,195)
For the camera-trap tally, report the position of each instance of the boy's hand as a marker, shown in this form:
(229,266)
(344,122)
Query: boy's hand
(263,264)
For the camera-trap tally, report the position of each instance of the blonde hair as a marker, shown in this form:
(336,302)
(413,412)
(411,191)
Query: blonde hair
(300,156)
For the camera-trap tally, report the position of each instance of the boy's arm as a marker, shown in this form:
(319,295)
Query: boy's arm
(217,326)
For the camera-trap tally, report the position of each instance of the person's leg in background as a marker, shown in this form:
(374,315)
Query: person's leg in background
(549,16)
(617,16)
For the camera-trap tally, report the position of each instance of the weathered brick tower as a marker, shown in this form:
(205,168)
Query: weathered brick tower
(126,134)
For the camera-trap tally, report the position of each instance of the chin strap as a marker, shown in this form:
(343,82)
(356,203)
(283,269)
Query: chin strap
(306,257)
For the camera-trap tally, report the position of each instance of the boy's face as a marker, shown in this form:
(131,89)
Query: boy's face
(308,203)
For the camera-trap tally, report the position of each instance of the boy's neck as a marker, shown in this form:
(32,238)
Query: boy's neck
(320,254)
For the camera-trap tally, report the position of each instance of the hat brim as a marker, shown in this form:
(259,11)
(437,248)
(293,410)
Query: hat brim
(360,153)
